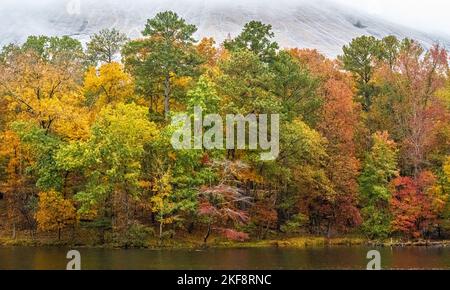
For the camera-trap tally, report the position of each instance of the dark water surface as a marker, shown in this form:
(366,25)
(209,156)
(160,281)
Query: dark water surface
(226,259)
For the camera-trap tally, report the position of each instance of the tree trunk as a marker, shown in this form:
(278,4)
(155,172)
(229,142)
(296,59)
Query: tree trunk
(59,234)
(191,227)
(127,211)
(167,91)
(329,230)
(208,233)
(14,231)
(160,233)
(150,108)
(102,236)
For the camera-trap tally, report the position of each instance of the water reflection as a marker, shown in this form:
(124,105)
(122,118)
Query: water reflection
(223,259)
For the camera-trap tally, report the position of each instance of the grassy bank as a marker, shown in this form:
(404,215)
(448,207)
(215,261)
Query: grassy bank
(298,242)
(194,242)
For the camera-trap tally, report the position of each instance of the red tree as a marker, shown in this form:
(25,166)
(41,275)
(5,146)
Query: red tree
(338,123)
(219,208)
(412,205)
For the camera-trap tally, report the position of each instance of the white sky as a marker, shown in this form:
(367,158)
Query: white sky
(425,15)
(428,15)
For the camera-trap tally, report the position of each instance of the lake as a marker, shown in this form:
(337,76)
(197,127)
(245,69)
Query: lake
(226,259)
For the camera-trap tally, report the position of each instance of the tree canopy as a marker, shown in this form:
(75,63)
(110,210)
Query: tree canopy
(364,143)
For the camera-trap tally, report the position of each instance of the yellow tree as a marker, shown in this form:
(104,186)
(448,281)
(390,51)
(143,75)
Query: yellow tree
(36,94)
(16,185)
(442,190)
(109,84)
(44,93)
(110,160)
(161,202)
(206,48)
(55,212)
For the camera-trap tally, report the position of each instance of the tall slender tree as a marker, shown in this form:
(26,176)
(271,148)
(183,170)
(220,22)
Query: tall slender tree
(168,52)
(105,45)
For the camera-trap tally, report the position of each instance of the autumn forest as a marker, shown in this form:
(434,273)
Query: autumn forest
(85,130)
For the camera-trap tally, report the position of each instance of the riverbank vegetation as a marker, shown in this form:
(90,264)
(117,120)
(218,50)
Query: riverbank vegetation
(86,157)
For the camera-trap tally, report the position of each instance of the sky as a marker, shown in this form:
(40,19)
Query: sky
(428,15)
(425,15)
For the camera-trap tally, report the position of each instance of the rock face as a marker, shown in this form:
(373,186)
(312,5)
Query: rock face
(297,23)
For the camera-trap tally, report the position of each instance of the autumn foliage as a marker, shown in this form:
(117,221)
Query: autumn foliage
(86,137)
(415,205)
(54,212)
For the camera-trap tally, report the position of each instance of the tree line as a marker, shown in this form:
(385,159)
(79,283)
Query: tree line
(85,137)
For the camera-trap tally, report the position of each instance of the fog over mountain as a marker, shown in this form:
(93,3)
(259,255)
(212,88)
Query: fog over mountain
(325,25)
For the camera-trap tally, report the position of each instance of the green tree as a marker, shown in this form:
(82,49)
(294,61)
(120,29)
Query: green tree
(43,147)
(105,45)
(57,50)
(299,174)
(204,95)
(7,51)
(37,44)
(390,48)
(380,167)
(169,52)
(111,158)
(246,85)
(359,58)
(175,177)
(256,37)
(296,87)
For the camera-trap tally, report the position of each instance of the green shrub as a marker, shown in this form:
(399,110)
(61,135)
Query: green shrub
(295,224)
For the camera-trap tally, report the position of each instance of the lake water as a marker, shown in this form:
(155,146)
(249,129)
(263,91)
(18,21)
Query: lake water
(226,259)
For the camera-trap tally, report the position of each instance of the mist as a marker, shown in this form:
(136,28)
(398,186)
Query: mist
(322,24)
(430,16)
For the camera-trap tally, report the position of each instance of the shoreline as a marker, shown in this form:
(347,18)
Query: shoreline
(287,243)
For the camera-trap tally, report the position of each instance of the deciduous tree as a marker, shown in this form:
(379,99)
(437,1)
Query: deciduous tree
(414,206)
(55,212)
(380,167)
(111,158)
(110,84)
